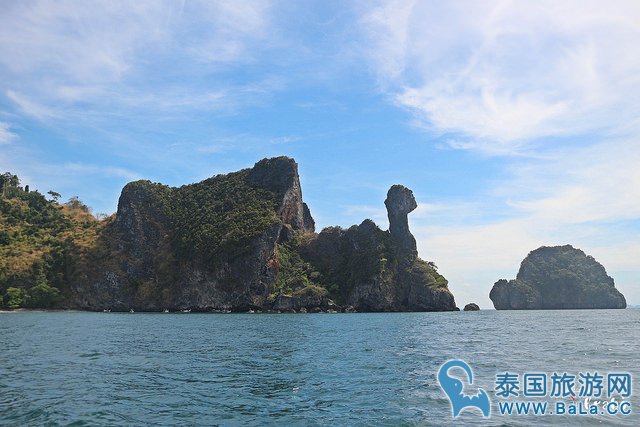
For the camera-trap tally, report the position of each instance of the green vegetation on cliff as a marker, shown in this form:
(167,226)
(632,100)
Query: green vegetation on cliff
(220,216)
(350,257)
(293,273)
(428,272)
(342,259)
(160,234)
(37,237)
(139,256)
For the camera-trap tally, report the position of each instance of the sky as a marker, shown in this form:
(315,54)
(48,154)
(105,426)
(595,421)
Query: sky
(516,124)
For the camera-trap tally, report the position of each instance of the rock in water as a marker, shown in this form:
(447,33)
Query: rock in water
(246,241)
(374,270)
(558,277)
(210,245)
(472,306)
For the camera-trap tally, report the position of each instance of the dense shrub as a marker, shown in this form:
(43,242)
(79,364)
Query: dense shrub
(35,236)
(220,216)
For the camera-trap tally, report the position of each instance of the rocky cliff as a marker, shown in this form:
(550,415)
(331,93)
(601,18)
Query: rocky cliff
(203,246)
(370,269)
(246,241)
(559,277)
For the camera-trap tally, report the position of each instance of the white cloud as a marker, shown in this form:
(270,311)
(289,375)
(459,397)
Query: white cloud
(85,42)
(574,185)
(6,135)
(224,30)
(30,107)
(69,59)
(504,72)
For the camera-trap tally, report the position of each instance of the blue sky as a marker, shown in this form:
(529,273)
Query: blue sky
(516,124)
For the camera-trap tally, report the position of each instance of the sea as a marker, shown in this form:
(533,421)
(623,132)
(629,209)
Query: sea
(359,369)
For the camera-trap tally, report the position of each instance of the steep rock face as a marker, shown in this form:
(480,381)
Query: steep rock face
(559,277)
(280,175)
(203,246)
(143,223)
(400,202)
(514,295)
(375,270)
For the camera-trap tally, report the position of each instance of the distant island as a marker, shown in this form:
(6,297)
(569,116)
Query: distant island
(558,277)
(244,241)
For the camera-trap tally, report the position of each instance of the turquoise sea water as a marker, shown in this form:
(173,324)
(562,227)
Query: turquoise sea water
(76,368)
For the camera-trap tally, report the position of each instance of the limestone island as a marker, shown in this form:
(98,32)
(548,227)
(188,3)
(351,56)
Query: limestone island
(243,241)
(558,277)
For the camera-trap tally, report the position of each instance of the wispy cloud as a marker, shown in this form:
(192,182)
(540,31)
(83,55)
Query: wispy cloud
(60,60)
(503,72)
(574,185)
(30,107)
(6,135)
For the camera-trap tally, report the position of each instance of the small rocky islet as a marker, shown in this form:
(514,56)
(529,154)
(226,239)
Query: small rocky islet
(558,277)
(246,242)
(472,306)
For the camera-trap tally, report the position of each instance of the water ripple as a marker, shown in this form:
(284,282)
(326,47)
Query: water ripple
(79,369)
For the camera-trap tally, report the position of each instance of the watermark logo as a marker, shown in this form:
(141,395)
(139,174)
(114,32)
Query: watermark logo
(583,393)
(520,394)
(454,389)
